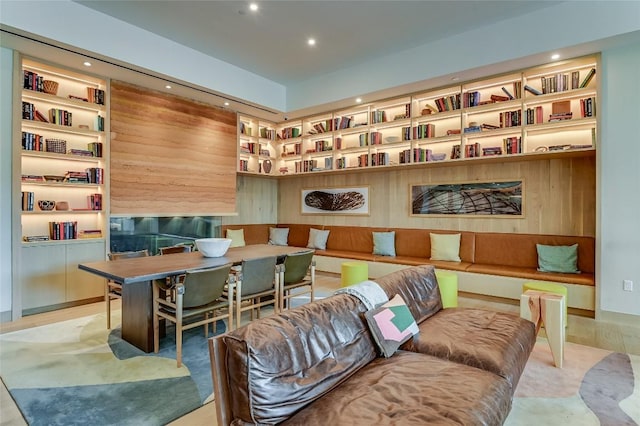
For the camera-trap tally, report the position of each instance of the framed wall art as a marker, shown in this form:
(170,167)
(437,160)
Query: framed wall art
(350,200)
(495,199)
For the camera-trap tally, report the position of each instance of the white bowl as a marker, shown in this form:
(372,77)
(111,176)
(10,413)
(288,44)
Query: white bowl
(213,247)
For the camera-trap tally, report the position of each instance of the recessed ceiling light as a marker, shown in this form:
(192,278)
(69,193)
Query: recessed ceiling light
(358,100)
(455,78)
(167,87)
(87,64)
(226,104)
(555,56)
(311,42)
(253,7)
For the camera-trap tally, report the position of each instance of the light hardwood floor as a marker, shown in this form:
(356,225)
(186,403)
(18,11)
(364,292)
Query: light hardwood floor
(582,330)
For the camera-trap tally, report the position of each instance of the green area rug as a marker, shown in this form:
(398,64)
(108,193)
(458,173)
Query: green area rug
(77,372)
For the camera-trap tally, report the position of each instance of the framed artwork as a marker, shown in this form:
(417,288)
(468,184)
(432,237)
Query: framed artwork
(335,201)
(478,199)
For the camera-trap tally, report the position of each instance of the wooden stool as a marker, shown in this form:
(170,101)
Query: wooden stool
(540,307)
(448,284)
(354,273)
(548,287)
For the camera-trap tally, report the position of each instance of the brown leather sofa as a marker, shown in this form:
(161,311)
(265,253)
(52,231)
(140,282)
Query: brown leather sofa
(319,364)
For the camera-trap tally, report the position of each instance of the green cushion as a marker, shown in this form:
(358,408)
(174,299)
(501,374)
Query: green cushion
(391,325)
(384,243)
(445,247)
(562,259)
(237,237)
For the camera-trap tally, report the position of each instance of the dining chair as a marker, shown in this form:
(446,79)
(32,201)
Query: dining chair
(297,277)
(256,286)
(112,289)
(199,300)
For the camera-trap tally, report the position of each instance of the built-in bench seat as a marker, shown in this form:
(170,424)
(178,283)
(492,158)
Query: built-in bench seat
(495,264)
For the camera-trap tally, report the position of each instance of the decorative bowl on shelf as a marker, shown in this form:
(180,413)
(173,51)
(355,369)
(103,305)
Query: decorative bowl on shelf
(438,157)
(392,139)
(46,205)
(53,178)
(213,247)
(50,87)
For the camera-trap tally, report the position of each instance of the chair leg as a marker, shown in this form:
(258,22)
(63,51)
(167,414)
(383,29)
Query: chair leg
(179,329)
(107,300)
(156,319)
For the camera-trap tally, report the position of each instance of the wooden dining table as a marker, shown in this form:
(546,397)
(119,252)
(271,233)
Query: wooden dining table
(137,274)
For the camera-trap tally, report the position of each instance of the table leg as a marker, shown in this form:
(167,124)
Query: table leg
(137,315)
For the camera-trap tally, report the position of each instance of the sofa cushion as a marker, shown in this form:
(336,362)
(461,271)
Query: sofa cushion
(358,239)
(279,236)
(445,247)
(417,243)
(532,274)
(563,259)
(253,233)
(412,389)
(496,342)
(391,325)
(384,243)
(318,239)
(283,362)
(237,237)
(417,286)
(519,250)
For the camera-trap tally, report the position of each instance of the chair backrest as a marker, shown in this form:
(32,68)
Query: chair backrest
(258,275)
(296,266)
(128,254)
(183,248)
(203,286)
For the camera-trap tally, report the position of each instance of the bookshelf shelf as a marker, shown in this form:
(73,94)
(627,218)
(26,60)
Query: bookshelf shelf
(502,118)
(61,137)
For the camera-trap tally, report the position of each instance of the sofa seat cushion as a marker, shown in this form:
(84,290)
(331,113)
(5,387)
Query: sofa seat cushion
(496,342)
(417,261)
(283,362)
(412,389)
(355,255)
(533,274)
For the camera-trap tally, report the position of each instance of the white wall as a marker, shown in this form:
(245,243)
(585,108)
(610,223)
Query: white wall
(618,235)
(6,65)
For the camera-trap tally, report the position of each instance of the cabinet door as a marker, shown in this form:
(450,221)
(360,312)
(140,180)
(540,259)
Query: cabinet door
(81,284)
(42,272)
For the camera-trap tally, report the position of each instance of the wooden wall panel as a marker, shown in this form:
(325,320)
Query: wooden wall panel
(170,155)
(559,196)
(257,201)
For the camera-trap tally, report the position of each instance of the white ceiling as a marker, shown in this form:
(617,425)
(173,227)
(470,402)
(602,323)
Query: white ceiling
(272,41)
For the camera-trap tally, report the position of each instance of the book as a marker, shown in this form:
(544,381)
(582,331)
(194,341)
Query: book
(532,90)
(504,89)
(588,78)
(499,98)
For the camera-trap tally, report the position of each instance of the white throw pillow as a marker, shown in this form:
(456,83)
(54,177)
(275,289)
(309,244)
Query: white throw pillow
(318,239)
(278,236)
(237,237)
(445,247)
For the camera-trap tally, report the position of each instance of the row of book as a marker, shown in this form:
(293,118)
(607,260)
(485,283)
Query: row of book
(61,117)
(28,201)
(32,141)
(33,81)
(380,116)
(323,145)
(415,155)
(448,103)
(94,175)
(94,201)
(420,131)
(63,230)
(267,133)
(30,112)
(95,96)
(511,118)
(289,133)
(562,82)
(534,115)
(588,107)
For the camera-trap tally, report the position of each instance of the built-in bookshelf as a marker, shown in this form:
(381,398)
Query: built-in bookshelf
(63,150)
(541,110)
(256,146)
